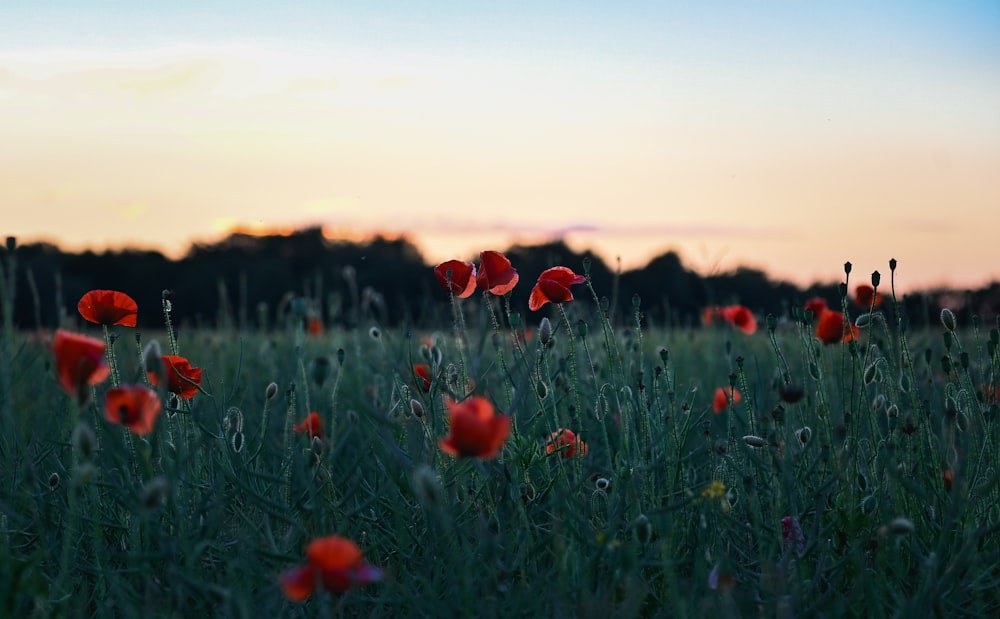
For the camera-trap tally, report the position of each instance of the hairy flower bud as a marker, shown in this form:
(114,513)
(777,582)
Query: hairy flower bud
(948,319)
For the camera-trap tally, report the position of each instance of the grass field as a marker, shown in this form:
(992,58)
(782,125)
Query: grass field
(841,479)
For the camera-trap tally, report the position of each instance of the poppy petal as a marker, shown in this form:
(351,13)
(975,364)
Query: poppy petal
(108,307)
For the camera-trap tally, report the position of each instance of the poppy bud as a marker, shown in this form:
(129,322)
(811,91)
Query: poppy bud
(876,278)
(237,442)
(11,243)
(643,529)
(375,334)
(427,487)
(416,408)
(154,493)
(814,370)
(870,372)
(319,371)
(863,320)
(892,412)
(868,505)
(603,484)
(847,268)
(234,420)
(791,393)
(85,473)
(664,356)
(541,389)
(803,434)
(754,441)
(514,319)
(53,482)
(892,264)
(962,421)
(545,331)
(152,359)
(771,321)
(948,319)
(901,526)
(84,441)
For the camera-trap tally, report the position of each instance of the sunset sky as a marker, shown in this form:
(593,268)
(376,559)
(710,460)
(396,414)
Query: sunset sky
(786,136)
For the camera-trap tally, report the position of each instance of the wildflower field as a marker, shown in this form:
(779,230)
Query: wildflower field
(543,461)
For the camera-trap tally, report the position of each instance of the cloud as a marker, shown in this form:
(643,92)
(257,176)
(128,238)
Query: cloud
(161,79)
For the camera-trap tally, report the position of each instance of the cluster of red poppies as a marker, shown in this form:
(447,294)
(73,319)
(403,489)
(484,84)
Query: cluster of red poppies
(495,275)
(738,316)
(80,364)
(831,325)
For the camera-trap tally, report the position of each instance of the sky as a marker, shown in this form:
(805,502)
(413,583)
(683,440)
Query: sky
(785,136)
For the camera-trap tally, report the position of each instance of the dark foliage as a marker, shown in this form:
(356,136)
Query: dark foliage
(249,281)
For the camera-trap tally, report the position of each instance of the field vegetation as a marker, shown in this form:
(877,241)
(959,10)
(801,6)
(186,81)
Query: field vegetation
(548,459)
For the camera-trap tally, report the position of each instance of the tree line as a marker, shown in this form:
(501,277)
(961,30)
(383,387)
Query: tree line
(262,282)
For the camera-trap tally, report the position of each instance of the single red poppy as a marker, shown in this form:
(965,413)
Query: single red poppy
(741,318)
(832,328)
(133,406)
(475,429)
(422,372)
(495,275)
(723,395)
(108,307)
(709,314)
(79,363)
(865,296)
(949,479)
(816,305)
(457,277)
(553,287)
(566,443)
(311,425)
(314,326)
(333,562)
(989,394)
(182,379)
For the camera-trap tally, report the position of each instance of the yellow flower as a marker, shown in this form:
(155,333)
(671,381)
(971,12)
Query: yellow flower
(714,490)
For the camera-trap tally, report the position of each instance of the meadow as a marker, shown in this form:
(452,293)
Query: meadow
(557,461)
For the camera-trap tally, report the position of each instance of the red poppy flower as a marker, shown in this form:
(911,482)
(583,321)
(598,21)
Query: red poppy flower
(457,277)
(722,397)
(476,430)
(865,296)
(709,314)
(79,363)
(949,479)
(495,275)
(182,379)
(108,307)
(422,371)
(832,328)
(333,562)
(816,305)
(741,318)
(311,425)
(133,406)
(553,287)
(314,326)
(566,443)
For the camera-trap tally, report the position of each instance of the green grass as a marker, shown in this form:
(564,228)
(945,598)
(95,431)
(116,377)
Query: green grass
(181,523)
